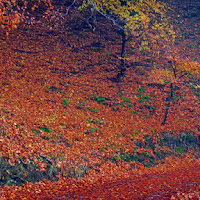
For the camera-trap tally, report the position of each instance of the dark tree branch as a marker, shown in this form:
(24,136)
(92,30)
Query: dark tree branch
(168,105)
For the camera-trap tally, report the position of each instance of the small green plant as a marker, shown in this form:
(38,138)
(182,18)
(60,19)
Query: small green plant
(36,132)
(65,102)
(135,132)
(119,134)
(132,52)
(184,99)
(4,110)
(192,45)
(96,121)
(2,131)
(176,98)
(142,72)
(148,165)
(144,98)
(179,150)
(99,99)
(138,94)
(126,101)
(53,88)
(166,82)
(130,106)
(107,53)
(93,110)
(152,107)
(120,93)
(44,129)
(141,89)
(90,131)
(115,109)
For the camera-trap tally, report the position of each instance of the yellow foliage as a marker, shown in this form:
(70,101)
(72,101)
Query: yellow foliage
(140,17)
(179,68)
(186,66)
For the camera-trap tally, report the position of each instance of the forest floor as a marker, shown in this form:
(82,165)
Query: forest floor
(68,131)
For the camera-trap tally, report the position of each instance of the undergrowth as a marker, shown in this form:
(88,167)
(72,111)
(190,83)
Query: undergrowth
(168,145)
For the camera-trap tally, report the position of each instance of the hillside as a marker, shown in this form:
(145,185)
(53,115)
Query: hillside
(69,131)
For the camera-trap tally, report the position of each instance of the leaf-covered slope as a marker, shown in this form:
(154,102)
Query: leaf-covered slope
(62,114)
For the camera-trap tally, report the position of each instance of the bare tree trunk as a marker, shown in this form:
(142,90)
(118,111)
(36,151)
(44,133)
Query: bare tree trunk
(122,66)
(168,105)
